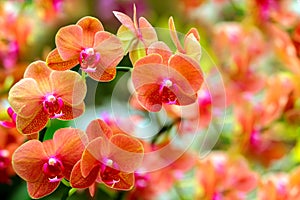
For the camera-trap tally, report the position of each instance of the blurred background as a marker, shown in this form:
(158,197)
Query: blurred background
(253,44)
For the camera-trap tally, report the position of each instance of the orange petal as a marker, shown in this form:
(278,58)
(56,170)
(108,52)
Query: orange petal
(39,71)
(127,152)
(69,41)
(125,20)
(78,181)
(54,61)
(69,147)
(149,98)
(174,35)
(72,112)
(90,26)
(41,188)
(69,85)
(192,47)
(195,33)
(32,124)
(162,49)
(25,97)
(28,160)
(124,181)
(103,74)
(148,32)
(189,69)
(98,128)
(150,59)
(92,156)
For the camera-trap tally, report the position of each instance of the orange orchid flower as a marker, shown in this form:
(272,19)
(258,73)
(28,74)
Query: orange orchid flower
(44,93)
(44,164)
(136,36)
(108,158)
(161,77)
(191,46)
(86,43)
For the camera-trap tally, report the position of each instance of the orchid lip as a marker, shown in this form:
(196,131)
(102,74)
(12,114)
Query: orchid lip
(53,169)
(53,106)
(89,59)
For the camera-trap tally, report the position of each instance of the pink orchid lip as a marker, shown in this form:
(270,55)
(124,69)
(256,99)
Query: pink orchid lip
(53,169)
(53,106)
(13,116)
(165,92)
(89,59)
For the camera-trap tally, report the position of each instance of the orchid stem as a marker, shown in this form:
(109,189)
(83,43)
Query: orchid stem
(65,182)
(124,68)
(42,134)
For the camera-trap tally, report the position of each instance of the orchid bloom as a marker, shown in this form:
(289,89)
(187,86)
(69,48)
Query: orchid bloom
(44,164)
(86,43)
(44,93)
(110,158)
(191,46)
(218,176)
(163,78)
(136,36)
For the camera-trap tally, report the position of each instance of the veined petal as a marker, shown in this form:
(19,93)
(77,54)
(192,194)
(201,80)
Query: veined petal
(137,51)
(149,98)
(69,147)
(90,26)
(98,128)
(69,85)
(150,59)
(78,181)
(189,69)
(25,97)
(162,49)
(71,112)
(41,187)
(69,41)
(125,20)
(110,48)
(148,32)
(55,62)
(127,38)
(33,124)
(174,35)
(92,156)
(127,152)
(103,74)
(28,160)
(124,181)
(39,71)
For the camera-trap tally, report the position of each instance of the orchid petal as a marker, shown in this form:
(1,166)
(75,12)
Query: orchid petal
(27,158)
(189,69)
(55,62)
(149,97)
(125,181)
(127,37)
(125,20)
(69,147)
(78,181)
(148,32)
(41,188)
(25,97)
(127,152)
(137,51)
(174,35)
(69,41)
(72,112)
(32,124)
(39,71)
(192,47)
(92,156)
(162,49)
(69,85)
(150,59)
(98,128)
(90,26)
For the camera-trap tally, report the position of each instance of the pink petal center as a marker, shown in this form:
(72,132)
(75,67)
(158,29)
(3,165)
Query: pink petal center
(89,59)
(109,171)
(167,96)
(141,180)
(4,159)
(53,106)
(53,169)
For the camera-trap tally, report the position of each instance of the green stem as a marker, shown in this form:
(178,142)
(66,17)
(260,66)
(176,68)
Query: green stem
(124,68)
(178,192)
(65,182)
(42,134)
